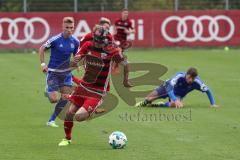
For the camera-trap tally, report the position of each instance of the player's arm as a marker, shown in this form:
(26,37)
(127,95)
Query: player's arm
(110,38)
(81,52)
(42,54)
(204,88)
(170,90)
(76,49)
(211,98)
(130,29)
(85,38)
(76,80)
(41,51)
(176,101)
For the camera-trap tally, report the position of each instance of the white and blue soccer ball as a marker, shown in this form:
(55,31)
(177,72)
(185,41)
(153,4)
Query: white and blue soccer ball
(117,140)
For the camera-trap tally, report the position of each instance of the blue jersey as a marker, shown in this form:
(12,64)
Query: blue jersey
(61,51)
(180,86)
(177,87)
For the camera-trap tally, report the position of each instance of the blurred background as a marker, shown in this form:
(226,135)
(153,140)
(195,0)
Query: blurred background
(114,5)
(26,24)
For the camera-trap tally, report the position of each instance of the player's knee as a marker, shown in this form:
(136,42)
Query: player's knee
(53,99)
(149,99)
(152,96)
(81,117)
(69,116)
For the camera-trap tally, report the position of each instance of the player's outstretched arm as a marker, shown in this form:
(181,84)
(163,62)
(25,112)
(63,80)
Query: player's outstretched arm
(211,98)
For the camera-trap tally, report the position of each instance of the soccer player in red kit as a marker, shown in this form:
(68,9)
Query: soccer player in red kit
(106,23)
(88,95)
(123,27)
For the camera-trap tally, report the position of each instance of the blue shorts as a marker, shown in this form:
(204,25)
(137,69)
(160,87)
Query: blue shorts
(55,80)
(162,93)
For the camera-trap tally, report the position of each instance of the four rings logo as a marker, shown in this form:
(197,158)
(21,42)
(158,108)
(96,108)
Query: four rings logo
(198,28)
(204,28)
(25,34)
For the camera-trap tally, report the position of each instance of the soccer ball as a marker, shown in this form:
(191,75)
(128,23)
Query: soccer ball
(117,140)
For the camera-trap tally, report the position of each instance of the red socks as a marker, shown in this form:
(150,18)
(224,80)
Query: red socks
(68,129)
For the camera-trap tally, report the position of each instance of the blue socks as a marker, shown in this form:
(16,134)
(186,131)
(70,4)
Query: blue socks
(58,108)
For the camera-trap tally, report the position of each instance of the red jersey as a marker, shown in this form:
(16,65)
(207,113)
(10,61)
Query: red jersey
(89,37)
(120,27)
(97,63)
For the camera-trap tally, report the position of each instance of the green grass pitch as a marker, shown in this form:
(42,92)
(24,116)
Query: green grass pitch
(207,133)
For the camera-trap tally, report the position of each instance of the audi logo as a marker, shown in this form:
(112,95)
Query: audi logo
(28,30)
(197,28)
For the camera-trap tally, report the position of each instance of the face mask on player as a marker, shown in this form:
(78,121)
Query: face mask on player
(99,36)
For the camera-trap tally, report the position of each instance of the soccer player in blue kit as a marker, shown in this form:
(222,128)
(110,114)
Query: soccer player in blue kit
(58,75)
(176,88)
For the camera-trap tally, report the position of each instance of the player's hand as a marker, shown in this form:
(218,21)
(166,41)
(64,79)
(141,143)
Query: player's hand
(178,103)
(77,59)
(214,106)
(73,65)
(74,62)
(44,68)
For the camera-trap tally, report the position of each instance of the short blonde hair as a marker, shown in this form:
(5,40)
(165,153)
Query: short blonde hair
(68,20)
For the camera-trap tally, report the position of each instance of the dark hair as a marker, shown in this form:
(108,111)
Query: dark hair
(192,72)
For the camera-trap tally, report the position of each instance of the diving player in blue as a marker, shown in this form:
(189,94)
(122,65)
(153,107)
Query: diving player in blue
(176,89)
(59,77)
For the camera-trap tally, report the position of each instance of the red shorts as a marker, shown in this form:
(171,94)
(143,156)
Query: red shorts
(86,99)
